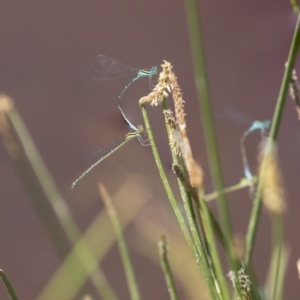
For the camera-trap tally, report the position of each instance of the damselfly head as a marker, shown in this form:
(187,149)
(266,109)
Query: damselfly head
(140,129)
(153,70)
(261,125)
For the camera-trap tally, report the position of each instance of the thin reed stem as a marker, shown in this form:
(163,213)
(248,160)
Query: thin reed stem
(188,206)
(255,214)
(10,290)
(201,81)
(100,247)
(244,183)
(164,179)
(163,255)
(201,263)
(193,193)
(128,268)
(278,244)
(202,88)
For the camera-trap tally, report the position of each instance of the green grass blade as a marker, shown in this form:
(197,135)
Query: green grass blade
(127,264)
(49,193)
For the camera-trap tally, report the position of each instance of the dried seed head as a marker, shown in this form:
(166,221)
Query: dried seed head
(298,267)
(295,92)
(167,83)
(273,191)
(242,283)
(194,170)
(163,246)
(238,247)
(178,101)
(162,89)
(170,120)
(6,104)
(174,137)
(87,297)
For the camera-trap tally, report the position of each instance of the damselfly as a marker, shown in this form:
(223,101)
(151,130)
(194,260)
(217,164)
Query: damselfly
(107,68)
(262,126)
(109,149)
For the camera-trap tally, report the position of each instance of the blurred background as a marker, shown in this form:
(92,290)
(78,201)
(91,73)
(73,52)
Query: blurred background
(46,47)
